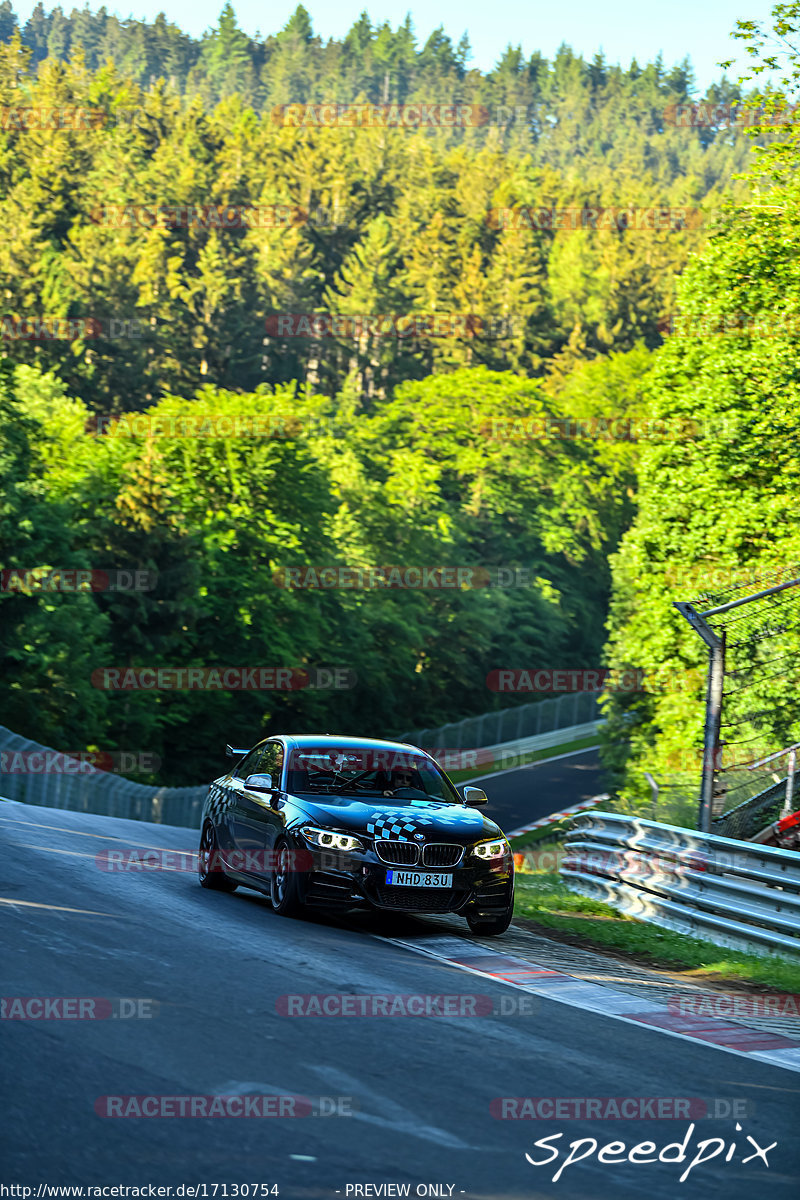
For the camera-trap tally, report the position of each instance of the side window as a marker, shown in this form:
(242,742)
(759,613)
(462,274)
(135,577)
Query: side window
(249,764)
(272,761)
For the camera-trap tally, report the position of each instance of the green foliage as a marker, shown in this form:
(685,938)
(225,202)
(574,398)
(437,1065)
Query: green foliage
(398,221)
(445,450)
(276,480)
(49,639)
(720,502)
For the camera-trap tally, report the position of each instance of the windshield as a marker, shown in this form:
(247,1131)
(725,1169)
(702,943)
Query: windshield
(400,776)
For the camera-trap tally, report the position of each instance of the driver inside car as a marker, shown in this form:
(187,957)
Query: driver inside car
(405,779)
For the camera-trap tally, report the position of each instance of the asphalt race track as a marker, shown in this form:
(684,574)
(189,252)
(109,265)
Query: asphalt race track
(419,1088)
(519,797)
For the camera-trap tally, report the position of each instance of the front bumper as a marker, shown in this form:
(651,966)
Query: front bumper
(357,879)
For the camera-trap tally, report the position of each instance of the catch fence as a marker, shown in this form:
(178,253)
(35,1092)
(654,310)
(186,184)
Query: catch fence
(752,709)
(510,724)
(78,786)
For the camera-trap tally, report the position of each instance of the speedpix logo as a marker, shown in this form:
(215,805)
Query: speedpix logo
(616,1153)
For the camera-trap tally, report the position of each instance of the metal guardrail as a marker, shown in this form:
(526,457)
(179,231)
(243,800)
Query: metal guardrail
(510,724)
(735,894)
(80,787)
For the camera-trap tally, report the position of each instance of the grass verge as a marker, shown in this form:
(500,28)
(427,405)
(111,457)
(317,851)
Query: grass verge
(545,904)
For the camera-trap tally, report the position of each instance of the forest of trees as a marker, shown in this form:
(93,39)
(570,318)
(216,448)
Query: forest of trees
(382,63)
(344,221)
(163,253)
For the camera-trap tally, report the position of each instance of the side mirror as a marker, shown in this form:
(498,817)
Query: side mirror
(474,796)
(258,783)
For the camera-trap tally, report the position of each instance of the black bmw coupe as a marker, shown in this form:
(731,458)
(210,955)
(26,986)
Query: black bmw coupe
(354,823)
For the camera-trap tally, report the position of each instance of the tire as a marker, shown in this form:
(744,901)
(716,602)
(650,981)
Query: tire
(209,867)
(491,925)
(284,890)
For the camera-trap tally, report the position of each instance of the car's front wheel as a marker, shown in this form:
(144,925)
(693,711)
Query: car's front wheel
(209,867)
(491,925)
(284,887)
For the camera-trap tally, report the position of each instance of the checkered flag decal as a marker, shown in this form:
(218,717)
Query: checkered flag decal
(402,825)
(394,828)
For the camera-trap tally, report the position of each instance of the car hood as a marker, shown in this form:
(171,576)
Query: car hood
(435,820)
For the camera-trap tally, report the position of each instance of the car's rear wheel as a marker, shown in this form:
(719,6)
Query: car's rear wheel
(284,887)
(209,867)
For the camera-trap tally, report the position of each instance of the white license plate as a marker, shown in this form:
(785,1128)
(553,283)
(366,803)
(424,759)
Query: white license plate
(419,879)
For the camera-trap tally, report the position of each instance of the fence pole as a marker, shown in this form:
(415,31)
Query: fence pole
(654,788)
(716,680)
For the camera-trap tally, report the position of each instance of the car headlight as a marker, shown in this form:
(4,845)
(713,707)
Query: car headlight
(496,848)
(328,839)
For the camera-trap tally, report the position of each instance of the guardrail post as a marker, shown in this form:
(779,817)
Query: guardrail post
(787,804)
